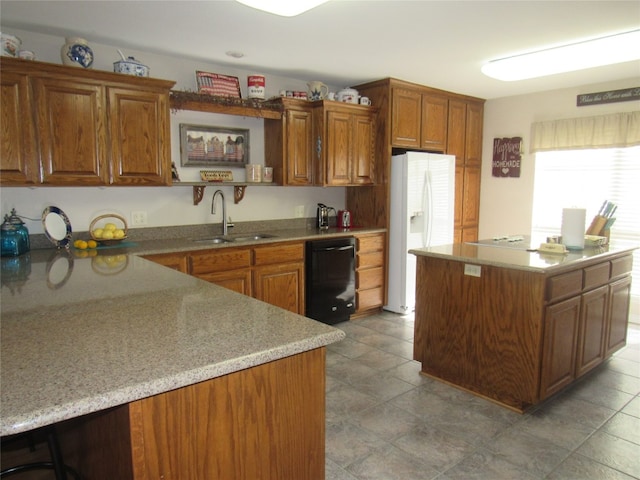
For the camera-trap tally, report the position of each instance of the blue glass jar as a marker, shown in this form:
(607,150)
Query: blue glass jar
(15,236)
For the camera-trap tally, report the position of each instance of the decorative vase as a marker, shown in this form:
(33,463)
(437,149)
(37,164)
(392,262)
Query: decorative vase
(76,52)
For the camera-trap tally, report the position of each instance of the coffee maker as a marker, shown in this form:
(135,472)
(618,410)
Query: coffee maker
(322,216)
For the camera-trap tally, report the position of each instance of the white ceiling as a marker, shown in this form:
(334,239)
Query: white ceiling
(442,44)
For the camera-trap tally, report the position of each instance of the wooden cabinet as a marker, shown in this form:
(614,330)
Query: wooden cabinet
(227,267)
(465,142)
(18,158)
(89,127)
(272,273)
(344,136)
(289,146)
(514,335)
(278,275)
(370,273)
(418,120)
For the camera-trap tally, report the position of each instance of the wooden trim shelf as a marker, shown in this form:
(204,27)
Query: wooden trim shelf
(207,103)
(238,188)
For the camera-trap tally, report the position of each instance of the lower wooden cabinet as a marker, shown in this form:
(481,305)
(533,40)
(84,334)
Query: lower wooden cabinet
(272,273)
(370,273)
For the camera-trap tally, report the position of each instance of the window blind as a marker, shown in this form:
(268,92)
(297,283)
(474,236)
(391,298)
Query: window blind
(585,178)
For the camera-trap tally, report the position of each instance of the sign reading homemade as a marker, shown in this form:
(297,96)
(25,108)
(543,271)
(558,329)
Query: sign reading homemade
(506,157)
(611,96)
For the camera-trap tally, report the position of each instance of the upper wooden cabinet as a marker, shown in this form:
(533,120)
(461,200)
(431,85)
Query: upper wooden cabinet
(344,137)
(18,161)
(418,120)
(87,127)
(289,144)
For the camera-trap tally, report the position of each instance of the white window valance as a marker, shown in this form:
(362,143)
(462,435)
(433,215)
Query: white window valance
(603,131)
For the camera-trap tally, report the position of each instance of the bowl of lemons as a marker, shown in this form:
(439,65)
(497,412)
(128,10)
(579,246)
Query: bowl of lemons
(108,229)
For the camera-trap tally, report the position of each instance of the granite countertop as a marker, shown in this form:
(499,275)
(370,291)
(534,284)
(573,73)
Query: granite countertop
(80,335)
(518,255)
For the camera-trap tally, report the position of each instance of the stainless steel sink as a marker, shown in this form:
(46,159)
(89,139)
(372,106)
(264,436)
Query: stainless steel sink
(253,237)
(212,240)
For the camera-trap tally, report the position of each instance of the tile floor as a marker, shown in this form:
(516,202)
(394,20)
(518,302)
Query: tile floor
(386,422)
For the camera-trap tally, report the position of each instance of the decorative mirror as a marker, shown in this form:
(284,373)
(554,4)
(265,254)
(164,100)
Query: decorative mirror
(57,227)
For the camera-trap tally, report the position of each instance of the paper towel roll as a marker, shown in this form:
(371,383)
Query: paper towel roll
(573,226)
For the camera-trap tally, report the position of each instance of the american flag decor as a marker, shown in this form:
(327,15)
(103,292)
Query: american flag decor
(217,84)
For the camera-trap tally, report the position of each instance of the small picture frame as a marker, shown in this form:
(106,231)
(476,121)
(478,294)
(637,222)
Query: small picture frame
(218,85)
(207,145)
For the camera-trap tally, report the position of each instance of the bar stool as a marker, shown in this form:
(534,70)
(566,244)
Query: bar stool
(56,464)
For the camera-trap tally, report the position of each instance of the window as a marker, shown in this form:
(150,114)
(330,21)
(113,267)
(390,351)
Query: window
(585,178)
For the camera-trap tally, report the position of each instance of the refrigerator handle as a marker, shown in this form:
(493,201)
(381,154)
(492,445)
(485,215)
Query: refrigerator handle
(427,199)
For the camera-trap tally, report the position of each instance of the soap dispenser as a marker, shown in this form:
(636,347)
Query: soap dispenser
(15,236)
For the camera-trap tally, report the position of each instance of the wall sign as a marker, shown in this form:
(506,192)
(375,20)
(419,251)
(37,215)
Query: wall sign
(507,157)
(611,96)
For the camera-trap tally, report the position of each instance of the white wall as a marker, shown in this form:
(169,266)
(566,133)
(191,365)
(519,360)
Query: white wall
(169,205)
(506,203)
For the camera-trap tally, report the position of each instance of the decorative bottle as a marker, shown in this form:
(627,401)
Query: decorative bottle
(15,236)
(76,52)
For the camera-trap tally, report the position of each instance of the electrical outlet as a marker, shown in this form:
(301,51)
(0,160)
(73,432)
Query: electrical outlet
(472,270)
(299,211)
(139,219)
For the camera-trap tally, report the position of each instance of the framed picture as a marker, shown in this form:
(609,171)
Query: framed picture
(206,145)
(217,84)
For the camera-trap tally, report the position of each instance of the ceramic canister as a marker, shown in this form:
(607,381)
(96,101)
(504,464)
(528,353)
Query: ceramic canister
(256,86)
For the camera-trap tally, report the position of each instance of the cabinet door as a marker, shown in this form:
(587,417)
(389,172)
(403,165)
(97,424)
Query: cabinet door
(139,127)
(471,197)
(70,121)
(281,285)
(299,148)
(406,117)
(618,315)
(473,134)
(18,153)
(559,348)
(456,130)
(591,331)
(363,156)
(337,154)
(434,122)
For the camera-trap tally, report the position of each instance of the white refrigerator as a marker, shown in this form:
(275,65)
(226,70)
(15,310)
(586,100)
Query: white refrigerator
(422,209)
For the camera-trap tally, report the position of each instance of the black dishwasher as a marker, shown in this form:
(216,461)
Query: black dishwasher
(330,279)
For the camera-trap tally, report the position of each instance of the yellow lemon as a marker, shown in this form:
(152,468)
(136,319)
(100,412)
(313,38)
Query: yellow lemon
(92,244)
(98,232)
(107,234)
(81,244)
(110,226)
(119,233)
(76,243)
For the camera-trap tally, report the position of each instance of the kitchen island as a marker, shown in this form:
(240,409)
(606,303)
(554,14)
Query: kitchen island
(517,326)
(151,373)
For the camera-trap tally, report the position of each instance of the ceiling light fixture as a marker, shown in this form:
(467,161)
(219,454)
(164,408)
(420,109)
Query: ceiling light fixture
(618,48)
(284,8)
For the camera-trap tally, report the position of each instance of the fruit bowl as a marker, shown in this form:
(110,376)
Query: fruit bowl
(108,229)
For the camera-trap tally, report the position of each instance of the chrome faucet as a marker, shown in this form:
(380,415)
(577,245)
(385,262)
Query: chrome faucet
(225,226)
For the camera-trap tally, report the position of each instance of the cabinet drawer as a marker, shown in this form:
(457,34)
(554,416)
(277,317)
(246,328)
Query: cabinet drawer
(371,298)
(281,253)
(596,275)
(370,244)
(368,260)
(216,261)
(370,278)
(620,266)
(564,285)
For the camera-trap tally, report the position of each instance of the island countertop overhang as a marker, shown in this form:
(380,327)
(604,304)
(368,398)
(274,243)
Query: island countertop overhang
(521,258)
